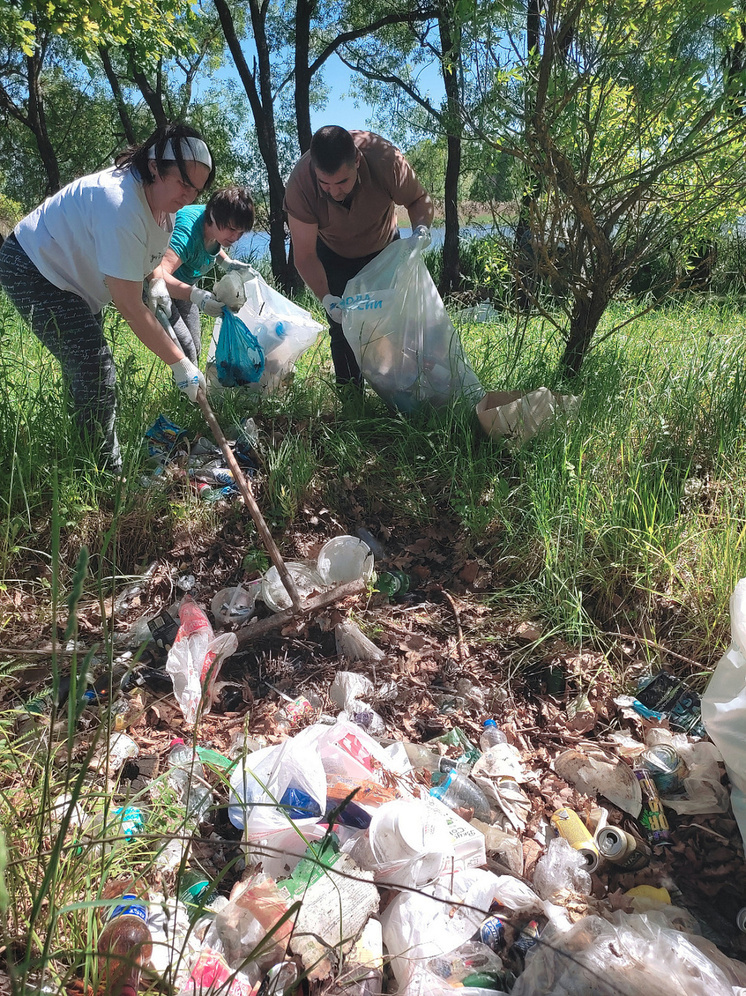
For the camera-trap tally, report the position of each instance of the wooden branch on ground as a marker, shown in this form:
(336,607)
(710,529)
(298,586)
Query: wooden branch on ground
(257,628)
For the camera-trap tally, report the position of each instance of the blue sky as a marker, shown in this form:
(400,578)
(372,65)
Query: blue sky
(341,108)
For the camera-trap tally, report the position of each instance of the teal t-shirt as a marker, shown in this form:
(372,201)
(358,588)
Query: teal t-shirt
(188,242)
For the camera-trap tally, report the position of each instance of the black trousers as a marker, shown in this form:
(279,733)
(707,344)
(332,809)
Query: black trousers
(340,269)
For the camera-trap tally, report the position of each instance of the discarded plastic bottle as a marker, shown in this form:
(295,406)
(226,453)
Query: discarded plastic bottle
(459,792)
(393,584)
(491,735)
(461,764)
(123,946)
(421,757)
(187,778)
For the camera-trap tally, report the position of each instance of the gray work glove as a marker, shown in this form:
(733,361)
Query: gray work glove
(332,305)
(156,295)
(206,302)
(236,266)
(421,237)
(188,377)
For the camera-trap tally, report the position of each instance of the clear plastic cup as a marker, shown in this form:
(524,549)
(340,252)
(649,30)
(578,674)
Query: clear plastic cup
(343,559)
(307,580)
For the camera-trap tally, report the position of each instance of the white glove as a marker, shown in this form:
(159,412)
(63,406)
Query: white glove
(332,305)
(188,378)
(156,295)
(235,266)
(206,302)
(230,291)
(421,235)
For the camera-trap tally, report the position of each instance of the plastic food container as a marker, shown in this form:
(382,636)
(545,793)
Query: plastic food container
(409,841)
(343,559)
(234,605)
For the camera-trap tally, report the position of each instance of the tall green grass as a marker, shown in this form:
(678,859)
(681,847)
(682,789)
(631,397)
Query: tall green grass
(637,497)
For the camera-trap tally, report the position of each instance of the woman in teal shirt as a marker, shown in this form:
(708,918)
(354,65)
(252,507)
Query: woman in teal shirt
(197,242)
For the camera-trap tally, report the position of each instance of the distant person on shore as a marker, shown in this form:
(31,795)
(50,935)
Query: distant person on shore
(200,236)
(94,242)
(341,204)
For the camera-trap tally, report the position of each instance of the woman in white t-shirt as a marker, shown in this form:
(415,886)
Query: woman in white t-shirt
(94,242)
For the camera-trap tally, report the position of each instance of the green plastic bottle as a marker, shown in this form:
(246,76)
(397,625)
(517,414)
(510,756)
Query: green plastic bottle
(393,584)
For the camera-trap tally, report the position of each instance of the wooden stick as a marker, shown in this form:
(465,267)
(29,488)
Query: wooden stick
(260,627)
(248,497)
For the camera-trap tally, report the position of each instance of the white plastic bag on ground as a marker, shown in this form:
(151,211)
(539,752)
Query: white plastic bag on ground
(278,787)
(195,659)
(724,706)
(629,955)
(283,330)
(401,335)
(349,690)
(561,868)
(418,926)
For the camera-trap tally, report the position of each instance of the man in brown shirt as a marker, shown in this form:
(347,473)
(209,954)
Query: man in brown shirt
(341,204)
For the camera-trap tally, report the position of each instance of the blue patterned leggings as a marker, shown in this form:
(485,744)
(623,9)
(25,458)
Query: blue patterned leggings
(74,335)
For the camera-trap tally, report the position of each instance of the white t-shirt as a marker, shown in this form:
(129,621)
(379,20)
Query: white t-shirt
(97,226)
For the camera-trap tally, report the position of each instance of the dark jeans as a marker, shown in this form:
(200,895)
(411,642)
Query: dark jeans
(340,269)
(74,335)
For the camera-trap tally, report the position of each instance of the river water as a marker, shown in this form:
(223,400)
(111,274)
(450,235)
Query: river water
(254,246)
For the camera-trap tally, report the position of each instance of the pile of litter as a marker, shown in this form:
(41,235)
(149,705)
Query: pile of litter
(170,456)
(570,850)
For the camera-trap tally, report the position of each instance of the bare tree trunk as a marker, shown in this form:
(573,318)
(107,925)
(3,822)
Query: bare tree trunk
(262,109)
(116,89)
(153,98)
(586,315)
(526,263)
(451,51)
(304,10)
(37,122)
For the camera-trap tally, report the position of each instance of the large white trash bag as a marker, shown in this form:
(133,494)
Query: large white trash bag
(401,335)
(724,706)
(283,330)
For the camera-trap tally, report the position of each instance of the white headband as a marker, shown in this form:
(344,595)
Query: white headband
(191,148)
